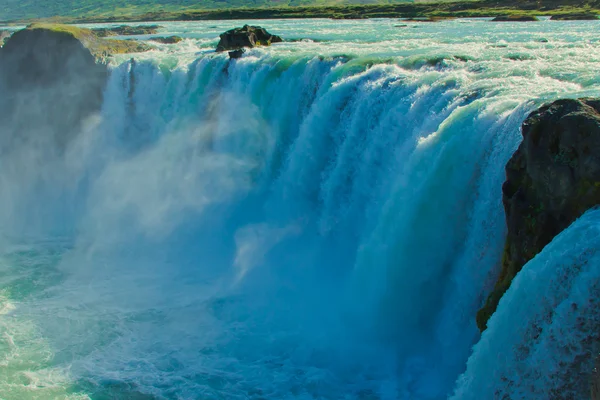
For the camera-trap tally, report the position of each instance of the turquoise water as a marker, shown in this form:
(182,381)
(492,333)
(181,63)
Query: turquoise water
(320,219)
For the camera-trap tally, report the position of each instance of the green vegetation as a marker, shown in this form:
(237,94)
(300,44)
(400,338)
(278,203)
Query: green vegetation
(99,47)
(169,10)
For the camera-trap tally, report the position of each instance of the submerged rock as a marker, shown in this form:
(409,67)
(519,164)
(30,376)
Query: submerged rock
(515,18)
(167,40)
(551,180)
(247,36)
(126,30)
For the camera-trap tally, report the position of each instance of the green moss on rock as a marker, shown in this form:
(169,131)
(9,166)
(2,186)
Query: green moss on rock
(99,47)
(575,17)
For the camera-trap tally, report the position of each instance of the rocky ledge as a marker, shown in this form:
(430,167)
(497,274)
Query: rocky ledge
(52,78)
(246,36)
(575,17)
(515,18)
(127,30)
(167,40)
(98,46)
(551,180)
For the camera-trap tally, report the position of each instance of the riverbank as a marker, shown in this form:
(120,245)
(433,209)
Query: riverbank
(433,11)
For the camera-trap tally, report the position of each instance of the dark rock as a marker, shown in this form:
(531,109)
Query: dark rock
(551,180)
(167,40)
(515,18)
(575,17)
(50,83)
(237,53)
(247,36)
(126,30)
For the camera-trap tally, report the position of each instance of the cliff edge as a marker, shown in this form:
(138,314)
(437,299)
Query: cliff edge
(551,180)
(52,77)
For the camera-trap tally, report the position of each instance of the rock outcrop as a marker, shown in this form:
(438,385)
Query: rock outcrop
(575,17)
(99,47)
(235,54)
(51,80)
(515,18)
(551,180)
(247,36)
(167,40)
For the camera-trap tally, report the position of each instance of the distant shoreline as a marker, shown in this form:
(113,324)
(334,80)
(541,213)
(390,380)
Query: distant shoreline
(433,11)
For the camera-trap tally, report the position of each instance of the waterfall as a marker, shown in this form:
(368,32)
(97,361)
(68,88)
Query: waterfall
(549,317)
(284,227)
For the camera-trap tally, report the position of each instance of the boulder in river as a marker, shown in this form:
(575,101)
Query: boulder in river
(551,180)
(246,36)
(167,40)
(236,53)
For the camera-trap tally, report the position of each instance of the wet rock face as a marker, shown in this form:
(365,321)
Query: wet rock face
(551,180)
(49,83)
(247,36)
(236,53)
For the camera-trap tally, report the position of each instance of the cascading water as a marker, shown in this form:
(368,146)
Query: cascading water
(288,226)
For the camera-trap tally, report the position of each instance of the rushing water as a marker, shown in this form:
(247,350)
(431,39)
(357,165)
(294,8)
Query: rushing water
(320,219)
